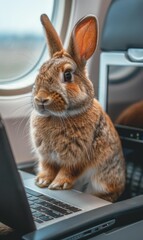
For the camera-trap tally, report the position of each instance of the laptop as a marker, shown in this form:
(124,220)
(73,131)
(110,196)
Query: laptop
(132,231)
(26,207)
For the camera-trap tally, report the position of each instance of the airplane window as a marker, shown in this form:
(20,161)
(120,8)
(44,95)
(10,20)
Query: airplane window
(21,36)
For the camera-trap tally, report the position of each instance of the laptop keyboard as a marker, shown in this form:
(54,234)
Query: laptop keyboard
(134,179)
(45,208)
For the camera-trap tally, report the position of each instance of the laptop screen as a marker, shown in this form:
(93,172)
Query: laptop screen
(14,208)
(123,99)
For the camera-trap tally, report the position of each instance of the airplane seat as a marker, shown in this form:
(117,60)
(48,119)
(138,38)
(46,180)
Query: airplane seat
(121,44)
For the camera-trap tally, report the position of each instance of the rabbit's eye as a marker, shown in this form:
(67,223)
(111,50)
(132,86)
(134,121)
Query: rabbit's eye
(67,76)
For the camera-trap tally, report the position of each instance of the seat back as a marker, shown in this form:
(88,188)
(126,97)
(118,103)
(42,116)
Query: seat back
(123,26)
(121,45)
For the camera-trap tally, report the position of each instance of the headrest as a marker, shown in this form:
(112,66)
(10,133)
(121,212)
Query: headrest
(123,26)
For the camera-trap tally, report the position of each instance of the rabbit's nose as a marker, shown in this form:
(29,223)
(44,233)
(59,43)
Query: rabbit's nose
(42,100)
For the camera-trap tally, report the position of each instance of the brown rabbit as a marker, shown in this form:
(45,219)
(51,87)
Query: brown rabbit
(71,134)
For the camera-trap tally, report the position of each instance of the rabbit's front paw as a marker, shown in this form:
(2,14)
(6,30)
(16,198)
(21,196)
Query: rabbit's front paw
(59,185)
(43,180)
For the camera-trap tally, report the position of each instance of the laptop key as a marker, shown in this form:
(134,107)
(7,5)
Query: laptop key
(61,204)
(49,212)
(37,214)
(33,198)
(33,210)
(38,220)
(30,202)
(34,206)
(54,214)
(45,218)
(31,192)
(73,209)
(55,208)
(28,195)
(48,199)
(38,201)
(66,206)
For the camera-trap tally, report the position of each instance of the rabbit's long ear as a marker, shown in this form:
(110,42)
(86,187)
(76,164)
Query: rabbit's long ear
(54,41)
(83,40)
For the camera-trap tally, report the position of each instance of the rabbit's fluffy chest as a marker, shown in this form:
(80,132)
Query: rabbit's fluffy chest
(64,141)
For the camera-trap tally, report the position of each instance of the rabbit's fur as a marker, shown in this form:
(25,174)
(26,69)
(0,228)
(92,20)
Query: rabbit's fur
(71,134)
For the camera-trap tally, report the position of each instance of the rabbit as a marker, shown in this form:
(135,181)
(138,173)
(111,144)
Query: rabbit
(71,134)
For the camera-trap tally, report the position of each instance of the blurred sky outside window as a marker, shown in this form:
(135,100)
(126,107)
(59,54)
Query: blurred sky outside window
(21,35)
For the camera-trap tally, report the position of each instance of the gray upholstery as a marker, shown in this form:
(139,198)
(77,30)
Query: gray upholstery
(123,26)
